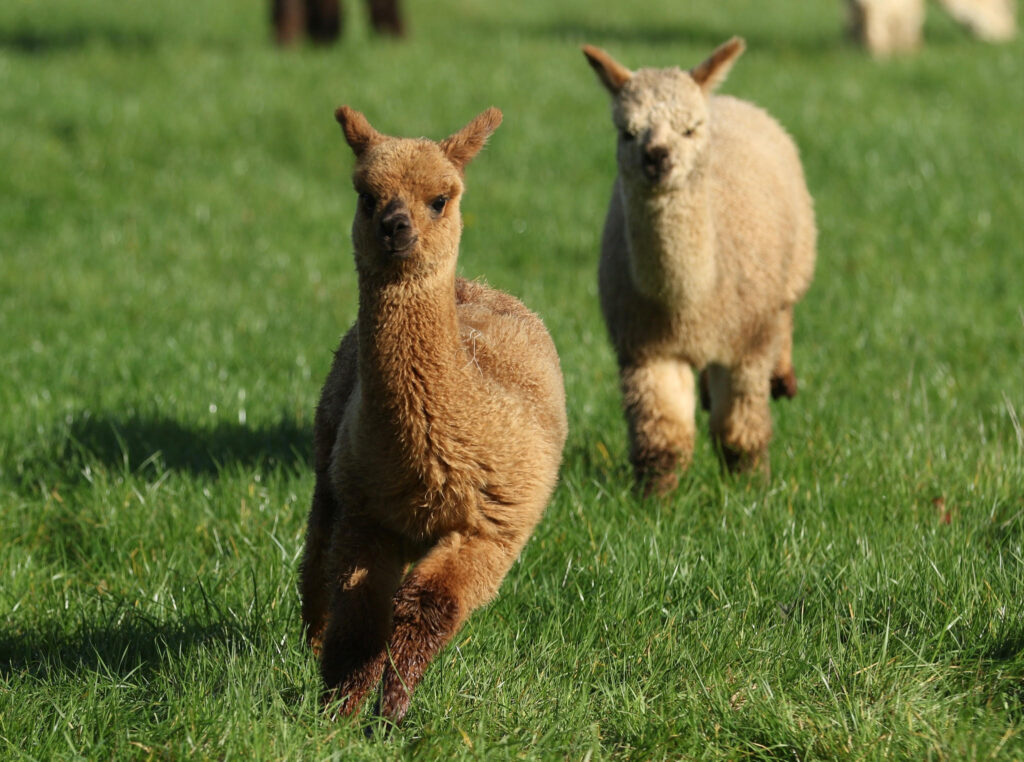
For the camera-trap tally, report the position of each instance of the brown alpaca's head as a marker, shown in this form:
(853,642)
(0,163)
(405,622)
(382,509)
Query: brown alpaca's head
(661,114)
(407,220)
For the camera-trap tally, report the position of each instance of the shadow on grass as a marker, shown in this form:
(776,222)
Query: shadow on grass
(121,639)
(43,41)
(1009,648)
(130,647)
(136,443)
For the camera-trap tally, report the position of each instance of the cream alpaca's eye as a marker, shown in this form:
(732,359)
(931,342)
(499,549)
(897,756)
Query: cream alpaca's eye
(628,136)
(438,204)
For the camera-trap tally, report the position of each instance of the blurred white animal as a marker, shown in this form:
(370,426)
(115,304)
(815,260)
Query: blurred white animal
(886,27)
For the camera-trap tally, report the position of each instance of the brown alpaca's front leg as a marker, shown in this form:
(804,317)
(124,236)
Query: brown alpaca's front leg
(313,583)
(457,576)
(660,401)
(367,569)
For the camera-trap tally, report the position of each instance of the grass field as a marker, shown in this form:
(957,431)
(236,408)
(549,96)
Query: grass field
(175,271)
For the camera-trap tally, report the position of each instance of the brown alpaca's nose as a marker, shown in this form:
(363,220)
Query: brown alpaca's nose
(656,162)
(395,231)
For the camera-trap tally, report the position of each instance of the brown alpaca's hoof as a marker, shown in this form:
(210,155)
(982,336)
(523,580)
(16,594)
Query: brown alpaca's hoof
(784,385)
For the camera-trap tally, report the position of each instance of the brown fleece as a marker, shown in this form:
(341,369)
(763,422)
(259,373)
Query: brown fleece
(439,432)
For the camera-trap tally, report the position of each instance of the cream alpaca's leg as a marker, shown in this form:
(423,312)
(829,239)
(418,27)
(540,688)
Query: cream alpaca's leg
(367,567)
(460,574)
(659,400)
(990,20)
(783,377)
(741,423)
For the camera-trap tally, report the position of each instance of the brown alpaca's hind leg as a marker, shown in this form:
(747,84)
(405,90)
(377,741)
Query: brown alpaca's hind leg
(783,377)
(458,575)
(366,568)
(659,401)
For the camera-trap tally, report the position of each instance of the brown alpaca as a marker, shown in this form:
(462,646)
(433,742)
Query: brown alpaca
(439,432)
(708,243)
(322,20)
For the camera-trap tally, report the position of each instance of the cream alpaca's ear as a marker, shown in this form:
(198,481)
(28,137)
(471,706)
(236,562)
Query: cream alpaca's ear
(461,147)
(358,131)
(612,74)
(711,73)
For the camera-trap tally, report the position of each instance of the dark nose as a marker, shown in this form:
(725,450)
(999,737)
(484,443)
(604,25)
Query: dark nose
(396,227)
(656,162)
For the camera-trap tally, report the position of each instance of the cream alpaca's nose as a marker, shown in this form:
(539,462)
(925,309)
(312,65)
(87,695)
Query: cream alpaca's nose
(656,162)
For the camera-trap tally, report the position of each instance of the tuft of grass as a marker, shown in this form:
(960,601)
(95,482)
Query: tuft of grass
(175,271)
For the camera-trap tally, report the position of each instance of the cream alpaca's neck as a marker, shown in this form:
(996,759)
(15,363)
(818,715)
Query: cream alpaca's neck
(671,242)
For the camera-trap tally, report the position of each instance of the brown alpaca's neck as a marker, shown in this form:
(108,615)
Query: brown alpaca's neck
(671,242)
(408,349)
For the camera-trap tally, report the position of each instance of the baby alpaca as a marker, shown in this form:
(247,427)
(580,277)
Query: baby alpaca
(708,243)
(438,435)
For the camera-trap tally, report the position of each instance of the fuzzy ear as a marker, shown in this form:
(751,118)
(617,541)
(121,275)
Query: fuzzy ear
(461,147)
(711,73)
(358,131)
(612,74)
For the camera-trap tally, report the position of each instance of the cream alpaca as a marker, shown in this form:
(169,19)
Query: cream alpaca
(708,243)
(886,27)
(438,435)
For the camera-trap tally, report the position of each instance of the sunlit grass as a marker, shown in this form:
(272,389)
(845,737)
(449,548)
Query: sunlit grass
(175,271)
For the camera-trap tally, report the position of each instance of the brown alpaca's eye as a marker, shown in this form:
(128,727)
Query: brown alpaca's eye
(367,201)
(438,204)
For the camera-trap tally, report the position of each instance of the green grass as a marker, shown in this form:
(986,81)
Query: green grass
(175,271)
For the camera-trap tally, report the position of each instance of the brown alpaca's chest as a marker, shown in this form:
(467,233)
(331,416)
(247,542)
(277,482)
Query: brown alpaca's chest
(402,472)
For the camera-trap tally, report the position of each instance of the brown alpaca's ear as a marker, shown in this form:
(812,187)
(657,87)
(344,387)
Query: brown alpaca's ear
(711,73)
(358,131)
(612,74)
(461,147)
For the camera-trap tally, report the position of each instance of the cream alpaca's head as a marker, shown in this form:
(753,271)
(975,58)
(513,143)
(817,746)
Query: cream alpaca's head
(662,114)
(407,218)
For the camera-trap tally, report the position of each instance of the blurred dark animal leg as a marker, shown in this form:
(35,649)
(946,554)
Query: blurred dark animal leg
(289,19)
(386,17)
(323,20)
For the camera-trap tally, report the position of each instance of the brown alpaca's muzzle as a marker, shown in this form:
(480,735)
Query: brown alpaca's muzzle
(395,230)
